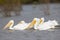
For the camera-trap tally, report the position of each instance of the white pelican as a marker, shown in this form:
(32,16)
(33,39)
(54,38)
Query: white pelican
(47,25)
(21,26)
(38,22)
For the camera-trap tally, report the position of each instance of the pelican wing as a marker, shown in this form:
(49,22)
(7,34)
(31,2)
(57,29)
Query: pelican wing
(20,26)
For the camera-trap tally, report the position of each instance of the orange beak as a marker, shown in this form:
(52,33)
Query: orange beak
(8,25)
(41,21)
(31,25)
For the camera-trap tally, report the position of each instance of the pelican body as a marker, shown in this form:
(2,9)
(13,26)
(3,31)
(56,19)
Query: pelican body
(47,25)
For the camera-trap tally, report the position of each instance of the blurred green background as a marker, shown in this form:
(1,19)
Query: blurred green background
(7,6)
(3,2)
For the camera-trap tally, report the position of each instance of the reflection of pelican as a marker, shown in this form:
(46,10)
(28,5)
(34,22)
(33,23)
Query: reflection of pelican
(21,26)
(47,25)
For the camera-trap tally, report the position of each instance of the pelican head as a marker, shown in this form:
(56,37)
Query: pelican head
(31,25)
(33,22)
(38,22)
(9,24)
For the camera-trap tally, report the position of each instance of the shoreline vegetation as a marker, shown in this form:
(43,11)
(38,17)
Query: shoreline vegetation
(7,6)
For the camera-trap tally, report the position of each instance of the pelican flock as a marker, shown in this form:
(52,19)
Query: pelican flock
(20,26)
(37,24)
